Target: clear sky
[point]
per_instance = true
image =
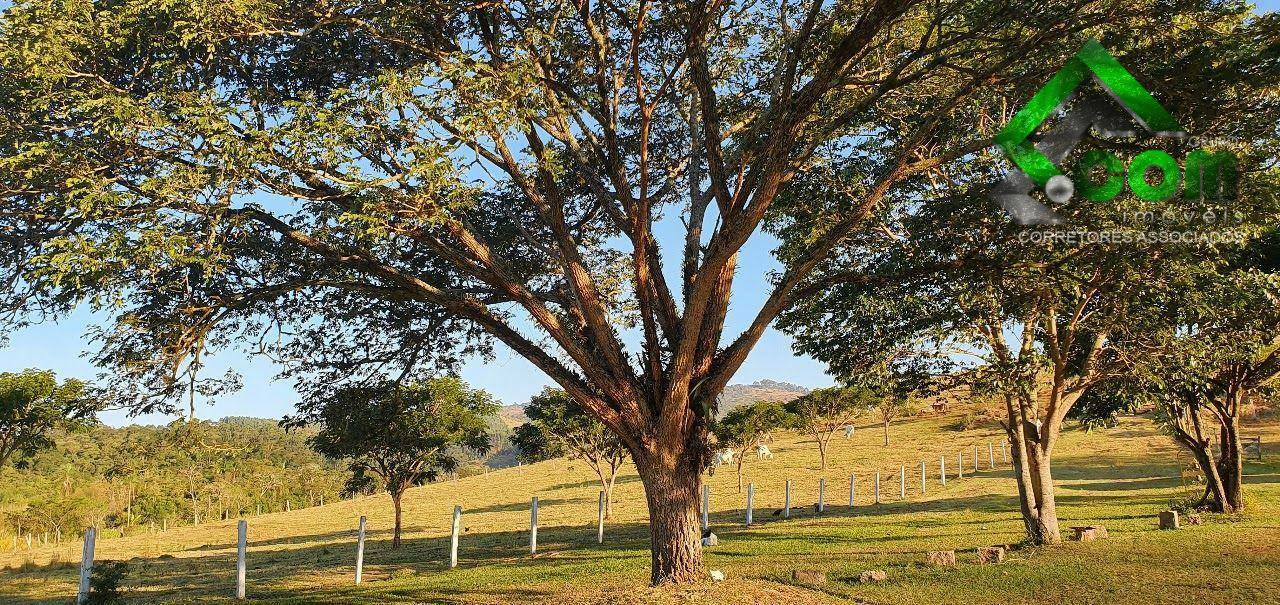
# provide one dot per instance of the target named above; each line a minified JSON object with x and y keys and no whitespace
{"x":60,"y":347}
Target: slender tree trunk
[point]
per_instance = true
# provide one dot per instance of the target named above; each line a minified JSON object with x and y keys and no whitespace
{"x":395,"y":502}
{"x":822,"y":452}
{"x":886,"y":432}
{"x":741,"y":456}
{"x":1021,"y":470}
{"x":672,"y":486}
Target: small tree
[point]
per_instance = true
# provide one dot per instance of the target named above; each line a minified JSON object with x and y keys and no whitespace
{"x":747,"y":426}
{"x":1220,"y":346}
{"x":824,"y":411}
{"x":403,"y":435}
{"x":890,"y":408}
{"x":33,"y":405}
{"x":559,"y":426}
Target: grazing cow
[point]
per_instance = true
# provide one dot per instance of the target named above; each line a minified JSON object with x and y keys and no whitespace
{"x":763,"y":453}
{"x":724,"y":456}
{"x":848,"y":431}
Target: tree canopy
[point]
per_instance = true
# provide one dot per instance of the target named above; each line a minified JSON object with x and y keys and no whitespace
{"x":357,"y":188}
{"x":558,"y":426}
{"x":33,"y":404}
{"x":400,"y":435}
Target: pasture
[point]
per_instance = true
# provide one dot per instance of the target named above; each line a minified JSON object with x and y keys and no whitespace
{"x":1120,"y":477}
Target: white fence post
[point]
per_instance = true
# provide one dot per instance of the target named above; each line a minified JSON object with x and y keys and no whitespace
{"x":942,"y":469}
{"x":853,"y":489}
{"x":453,"y":540}
{"x":600,"y":521}
{"x":975,"y":460}
{"x":533,"y":526}
{"x":924,"y":478}
{"x":786,"y":502}
{"x":242,"y":539}
{"x":960,"y":464}
{"x":991,"y":456}
{"x":86,"y":563}
{"x":751,"y":493}
{"x":902,"y":483}
{"x":360,"y":551}
{"x":877,"y":487}
{"x":822,"y":495}
{"x":706,"y":507}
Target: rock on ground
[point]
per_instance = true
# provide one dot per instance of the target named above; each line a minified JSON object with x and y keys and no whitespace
{"x":809,"y":576}
{"x":991,"y":554}
{"x":941,"y":558}
{"x":872,"y":575}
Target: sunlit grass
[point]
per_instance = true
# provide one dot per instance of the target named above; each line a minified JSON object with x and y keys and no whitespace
{"x":1120,"y":477}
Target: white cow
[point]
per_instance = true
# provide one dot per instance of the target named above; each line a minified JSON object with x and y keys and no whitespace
{"x":763,"y":453}
{"x":724,"y":456}
{"x":848,"y":431}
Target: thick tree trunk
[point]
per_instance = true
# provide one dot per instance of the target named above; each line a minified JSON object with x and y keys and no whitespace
{"x":1034,"y":474}
{"x":1044,"y":530}
{"x":395,"y":536}
{"x":672,"y":486}
{"x":1231,"y":466}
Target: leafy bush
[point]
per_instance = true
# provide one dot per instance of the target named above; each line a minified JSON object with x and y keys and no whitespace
{"x":104,"y":582}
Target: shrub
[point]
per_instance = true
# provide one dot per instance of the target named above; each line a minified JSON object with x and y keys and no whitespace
{"x":104,"y":582}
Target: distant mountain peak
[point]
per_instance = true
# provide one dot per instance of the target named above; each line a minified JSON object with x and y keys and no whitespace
{"x":736,"y":395}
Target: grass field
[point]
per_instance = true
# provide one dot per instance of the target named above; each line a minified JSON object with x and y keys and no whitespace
{"x":1119,"y":477}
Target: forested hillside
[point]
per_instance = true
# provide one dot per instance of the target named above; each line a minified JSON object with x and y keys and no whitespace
{"x":124,"y":480}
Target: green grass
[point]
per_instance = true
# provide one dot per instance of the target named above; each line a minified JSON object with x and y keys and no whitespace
{"x":1120,"y":478}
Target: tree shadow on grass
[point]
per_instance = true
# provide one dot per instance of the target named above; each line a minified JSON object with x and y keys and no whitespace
{"x":307,"y":573}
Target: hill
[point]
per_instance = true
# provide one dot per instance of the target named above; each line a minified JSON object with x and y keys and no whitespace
{"x":512,"y":415}
{"x":1119,"y":477}
{"x":761,"y":390}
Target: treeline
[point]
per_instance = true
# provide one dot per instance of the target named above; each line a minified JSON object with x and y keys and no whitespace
{"x":139,"y":478}
{"x":182,"y":473}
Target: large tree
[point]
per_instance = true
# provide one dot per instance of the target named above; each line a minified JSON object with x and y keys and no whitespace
{"x":558,"y":426}
{"x":399,"y":435}
{"x":358,"y":187}
{"x":33,"y":404}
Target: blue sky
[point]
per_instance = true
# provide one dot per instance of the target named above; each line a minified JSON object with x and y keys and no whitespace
{"x":60,"y":347}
